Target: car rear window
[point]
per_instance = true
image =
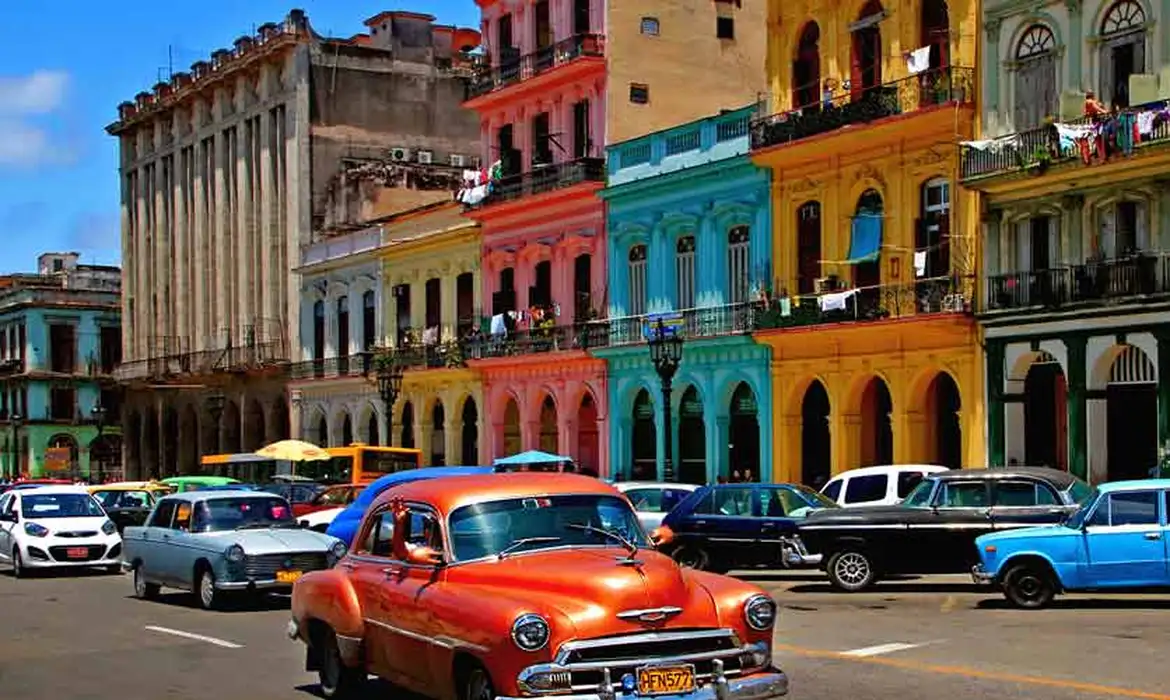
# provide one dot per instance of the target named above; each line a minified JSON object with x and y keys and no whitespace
{"x":866,"y":489}
{"x":907,"y":481}
{"x":832,"y":489}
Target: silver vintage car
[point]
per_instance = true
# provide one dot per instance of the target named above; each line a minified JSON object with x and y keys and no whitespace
{"x":214,"y":543}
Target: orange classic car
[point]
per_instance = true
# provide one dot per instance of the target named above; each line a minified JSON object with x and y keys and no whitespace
{"x":525,"y":586}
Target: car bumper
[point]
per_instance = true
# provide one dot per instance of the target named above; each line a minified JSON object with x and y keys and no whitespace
{"x":31,"y":563}
{"x":796,"y":554}
{"x":764,"y":685}
{"x":49,"y":553}
{"x":257,"y":585}
{"x":981,"y":577}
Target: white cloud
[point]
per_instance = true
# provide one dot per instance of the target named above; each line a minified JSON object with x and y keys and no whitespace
{"x":40,"y":92}
{"x":26,"y":103}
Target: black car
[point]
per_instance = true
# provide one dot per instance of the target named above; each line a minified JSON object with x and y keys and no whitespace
{"x":933,"y":530}
{"x":128,"y":506}
{"x":740,"y":526}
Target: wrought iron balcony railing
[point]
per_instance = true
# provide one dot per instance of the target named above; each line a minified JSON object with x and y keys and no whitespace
{"x":546,"y":178}
{"x":1132,"y":277}
{"x":927,"y":89}
{"x":11,"y":367}
{"x":1037,"y":149}
{"x":361,"y":364}
{"x":926,"y":297}
{"x":233,"y":359}
{"x":521,"y":68}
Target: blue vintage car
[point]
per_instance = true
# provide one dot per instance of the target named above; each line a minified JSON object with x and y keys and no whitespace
{"x":1117,"y":540}
{"x":214,"y":543}
{"x":345,"y":525}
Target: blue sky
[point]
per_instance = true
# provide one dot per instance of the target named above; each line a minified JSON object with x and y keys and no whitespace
{"x":58,"y":167}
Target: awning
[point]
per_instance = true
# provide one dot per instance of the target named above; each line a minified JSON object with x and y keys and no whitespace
{"x":866,"y":244}
{"x":531,"y":457}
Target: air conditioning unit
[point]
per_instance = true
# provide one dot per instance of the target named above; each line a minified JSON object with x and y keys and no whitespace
{"x":425,"y":157}
{"x":458,"y":160}
{"x":824,"y":285}
{"x":400,"y":154}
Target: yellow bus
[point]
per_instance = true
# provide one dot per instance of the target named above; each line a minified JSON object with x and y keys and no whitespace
{"x":356,"y":464}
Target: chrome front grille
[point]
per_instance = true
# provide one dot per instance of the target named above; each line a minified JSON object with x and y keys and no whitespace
{"x":590,"y":661}
{"x":265,"y":566}
{"x":77,"y":534}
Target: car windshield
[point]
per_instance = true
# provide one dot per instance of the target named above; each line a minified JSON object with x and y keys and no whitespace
{"x":222,"y":514}
{"x":60,"y":505}
{"x":920,"y":496}
{"x":815,"y":499}
{"x":526,"y":524}
{"x":1080,"y":492}
{"x":1077,"y":519}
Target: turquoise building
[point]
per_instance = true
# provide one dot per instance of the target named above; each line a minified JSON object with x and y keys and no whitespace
{"x":60,"y":341}
{"x":689,"y":232}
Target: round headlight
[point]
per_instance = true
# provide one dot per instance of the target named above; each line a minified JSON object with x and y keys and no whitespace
{"x":338,"y":550}
{"x":760,"y":612}
{"x":530,"y":632}
{"x":109,"y":527}
{"x":235,"y":554}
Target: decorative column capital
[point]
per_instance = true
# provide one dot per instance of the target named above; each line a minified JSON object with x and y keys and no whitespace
{"x":992,"y":26}
{"x":1074,"y":6}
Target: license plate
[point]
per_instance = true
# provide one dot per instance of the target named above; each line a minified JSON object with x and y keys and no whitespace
{"x":288,"y":576}
{"x":666,"y":680}
{"x":77,"y":552}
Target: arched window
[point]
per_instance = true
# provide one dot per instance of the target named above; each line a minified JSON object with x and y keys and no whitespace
{"x":369,"y":321}
{"x":866,"y":59}
{"x":343,"y":327}
{"x":934,"y":229}
{"x":637,"y":270}
{"x":684,"y":270}
{"x":1036,"y":84}
{"x":806,"y":68}
{"x":1123,"y":50}
{"x":738,"y":264}
{"x":936,"y":32}
{"x":808,"y":247}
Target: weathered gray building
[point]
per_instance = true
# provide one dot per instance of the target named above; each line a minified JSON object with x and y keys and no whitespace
{"x":229,"y":170}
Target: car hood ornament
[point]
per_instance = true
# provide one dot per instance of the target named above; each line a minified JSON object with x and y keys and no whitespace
{"x":650,"y":614}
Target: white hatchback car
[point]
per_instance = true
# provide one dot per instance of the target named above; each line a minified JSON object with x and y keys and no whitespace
{"x":652,"y":500}
{"x":56,"y":526}
{"x":885,"y":485}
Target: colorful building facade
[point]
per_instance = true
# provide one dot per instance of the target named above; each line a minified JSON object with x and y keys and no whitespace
{"x":689,"y":232}
{"x":1076,"y":275}
{"x":548,"y":109}
{"x":60,"y":340}
{"x":875,"y":246}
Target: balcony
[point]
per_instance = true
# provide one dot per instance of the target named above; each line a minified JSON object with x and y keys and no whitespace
{"x":242,"y":359}
{"x":1123,"y":279}
{"x":543,"y":179}
{"x":929,"y":89}
{"x":1036,"y":150}
{"x":922,"y":298}
{"x":11,"y":367}
{"x":358,"y":365}
{"x":522,"y":68}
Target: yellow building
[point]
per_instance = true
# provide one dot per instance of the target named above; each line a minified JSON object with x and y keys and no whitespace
{"x":875,"y":245}
{"x":432,"y":290}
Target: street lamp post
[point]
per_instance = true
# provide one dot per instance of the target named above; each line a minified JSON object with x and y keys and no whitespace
{"x":666,"y":354}
{"x":388,"y":374}
{"x":99,"y":417}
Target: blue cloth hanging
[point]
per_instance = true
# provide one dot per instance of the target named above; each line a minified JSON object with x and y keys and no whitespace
{"x":866,"y":241}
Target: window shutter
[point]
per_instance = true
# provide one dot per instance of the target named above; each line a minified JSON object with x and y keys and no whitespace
{"x":1105,"y":93}
{"x":920,"y":238}
{"x":1107,"y":231}
{"x":1139,"y":54}
{"x":1023,"y":245}
{"x":1143,"y":226}
{"x":943,"y":253}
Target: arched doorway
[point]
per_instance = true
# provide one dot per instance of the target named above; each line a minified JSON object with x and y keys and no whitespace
{"x":320,"y":428}
{"x":170,"y":445}
{"x":806,"y":69}
{"x":866,"y":58}
{"x":744,"y":444}
{"x":372,"y":429}
{"x":279,"y":427}
{"x":1046,"y":414}
{"x":188,"y":461}
{"x":346,"y":430}
{"x":253,"y":426}
{"x":132,"y":429}
{"x":943,"y":405}
{"x":816,"y":447}
{"x":438,"y":435}
{"x":407,"y":431}
{"x":63,"y":456}
{"x":877,"y":430}
{"x":469,"y":441}
{"x":867,"y":272}
{"x":644,"y":441}
{"x":588,"y":440}
{"x":548,"y":425}
{"x":1131,"y":415}
{"x":692,"y":439}
{"x":512,"y":440}
{"x":808,"y":247}
{"x":231,"y":428}
{"x":208,"y":433}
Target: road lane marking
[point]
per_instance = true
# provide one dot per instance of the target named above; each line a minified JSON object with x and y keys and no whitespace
{"x":973,"y":673}
{"x":949,"y":604}
{"x":197,"y":637}
{"x":879,"y":649}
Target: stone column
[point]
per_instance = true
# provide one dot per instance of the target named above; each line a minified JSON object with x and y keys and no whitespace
{"x":529,"y":435}
{"x":991,"y":66}
{"x":448,"y":308}
{"x":722,"y":437}
{"x":995,"y":406}
{"x":1077,"y":442}
{"x":1075,"y":79}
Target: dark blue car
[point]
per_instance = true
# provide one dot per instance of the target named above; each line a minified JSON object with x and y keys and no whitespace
{"x":344,"y":527}
{"x":742,"y":526}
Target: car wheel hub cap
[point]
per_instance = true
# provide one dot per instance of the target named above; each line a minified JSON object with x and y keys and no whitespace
{"x":852,"y":568}
{"x":1029,"y":586}
{"x":207,"y":590}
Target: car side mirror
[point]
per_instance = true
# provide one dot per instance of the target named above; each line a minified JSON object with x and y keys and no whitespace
{"x":662,"y":536}
{"x":424,"y":556}
{"x":7,"y":517}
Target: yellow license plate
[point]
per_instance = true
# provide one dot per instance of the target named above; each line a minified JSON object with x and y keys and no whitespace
{"x":666,"y":680}
{"x":288,"y":576}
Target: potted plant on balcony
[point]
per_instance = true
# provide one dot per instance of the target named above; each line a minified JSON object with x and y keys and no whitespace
{"x":1039,"y":161}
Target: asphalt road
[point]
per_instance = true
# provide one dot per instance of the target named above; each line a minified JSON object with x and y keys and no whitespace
{"x":86,"y":638}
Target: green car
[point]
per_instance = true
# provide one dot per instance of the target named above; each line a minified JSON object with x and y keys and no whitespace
{"x":183,"y":484}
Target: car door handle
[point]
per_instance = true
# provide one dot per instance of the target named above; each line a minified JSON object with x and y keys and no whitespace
{"x":391,"y":571}
{"x":347,"y":565}
{"x":1153,"y":535}
{"x":700,"y":523}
